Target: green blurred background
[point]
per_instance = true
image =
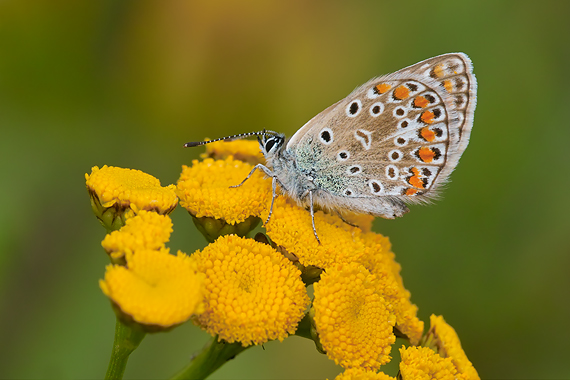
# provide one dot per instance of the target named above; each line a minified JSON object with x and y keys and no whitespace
{"x":126,"y":83}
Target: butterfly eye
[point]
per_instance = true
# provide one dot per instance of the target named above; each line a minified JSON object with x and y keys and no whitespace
{"x":269,"y":144}
{"x":272,"y":143}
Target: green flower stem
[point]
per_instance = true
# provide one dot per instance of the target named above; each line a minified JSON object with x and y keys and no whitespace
{"x":304,"y":328}
{"x":429,"y":341}
{"x":127,"y":339}
{"x":212,"y":357}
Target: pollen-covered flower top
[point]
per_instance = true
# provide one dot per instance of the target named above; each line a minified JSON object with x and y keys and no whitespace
{"x":147,"y":230}
{"x":118,"y":193}
{"x":353,"y":317}
{"x":253,"y":294}
{"x":131,"y":188}
{"x":290,"y":227}
{"x":381,"y":261}
{"x":155,"y":288}
{"x":362,"y":374}
{"x":242,"y":150}
{"x":444,"y":338}
{"x":205,"y":190}
{"x":422,"y":363}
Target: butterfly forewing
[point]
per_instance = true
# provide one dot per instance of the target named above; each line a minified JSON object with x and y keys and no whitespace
{"x":396,"y":137}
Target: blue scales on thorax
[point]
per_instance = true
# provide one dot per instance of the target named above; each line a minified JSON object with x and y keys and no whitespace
{"x":316,"y":169}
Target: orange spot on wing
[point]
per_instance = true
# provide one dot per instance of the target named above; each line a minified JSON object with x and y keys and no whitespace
{"x":427,"y":117}
{"x":411,"y":192}
{"x":448,"y":85}
{"x":426,"y":154}
{"x":421,"y":102}
{"x":402,"y":92}
{"x":438,"y":71}
{"x":428,"y":134}
{"x":416,"y":182}
{"x":383,"y":88}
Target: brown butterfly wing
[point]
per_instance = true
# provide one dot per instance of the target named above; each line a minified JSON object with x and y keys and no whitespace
{"x":394,"y":139}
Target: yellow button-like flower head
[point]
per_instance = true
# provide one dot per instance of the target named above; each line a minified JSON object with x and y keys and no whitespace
{"x":362,"y":374}
{"x":242,"y":150}
{"x":354,"y":320}
{"x":443,"y":338}
{"x":363,"y":221}
{"x":118,"y":193}
{"x":422,"y":363}
{"x":205,"y":191}
{"x":253,"y":294}
{"x":380,"y":261}
{"x":147,"y":230}
{"x":155,"y":289}
{"x":290,"y":227}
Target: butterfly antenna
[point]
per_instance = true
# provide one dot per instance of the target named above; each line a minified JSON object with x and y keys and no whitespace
{"x":234,"y":137}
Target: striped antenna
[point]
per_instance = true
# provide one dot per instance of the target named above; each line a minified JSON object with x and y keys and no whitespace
{"x":234,"y":137}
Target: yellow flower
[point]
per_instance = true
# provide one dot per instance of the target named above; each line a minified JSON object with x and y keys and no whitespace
{"x":147,"y":230}
{"x":242,"y":150}
{"x":422,"y":363}
{"x":118,"y":193}
{"x":444,"y":339}
{"x":155,"y":289}
{"x":362,"y":221}
{"x":290,"y":227}
{"x":253,"y":294}
{"x":381,"y":261}
{"x":353,"y":318}
{"x":361,"y":374}
{"x":204,"y":190}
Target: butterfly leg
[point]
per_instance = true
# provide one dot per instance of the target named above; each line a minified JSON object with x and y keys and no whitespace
{"x":313,"y":215}
{"x":265,"y":169}
{"x":274,"y":195}
{"x":344,"y":220}
{"x":270,"y":173}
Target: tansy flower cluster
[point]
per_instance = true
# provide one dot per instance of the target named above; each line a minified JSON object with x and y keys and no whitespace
{"x":247,"y":291}
{"x":253,"y":293}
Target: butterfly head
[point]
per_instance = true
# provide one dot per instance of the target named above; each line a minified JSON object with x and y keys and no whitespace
{"x":271,"y":143}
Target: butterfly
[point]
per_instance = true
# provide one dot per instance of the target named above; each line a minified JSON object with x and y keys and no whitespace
{"x":393,"y":141}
